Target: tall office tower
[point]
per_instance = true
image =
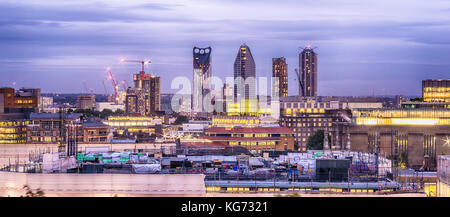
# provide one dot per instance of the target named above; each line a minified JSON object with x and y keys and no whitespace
{"x":152,"y":84}
{"x":244,"y":67}
{"x":279,"y":70}
{"x":201,"y":76}
{"x":308,"y":70}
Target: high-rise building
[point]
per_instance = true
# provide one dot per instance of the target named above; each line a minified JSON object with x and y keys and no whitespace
{"x":137,"y":101}
{"x":244,"y":67}
{"x":147,"y":92}
{"x":308,"y":71}
{"x":201,"y":76}
{"x":280,"y":71}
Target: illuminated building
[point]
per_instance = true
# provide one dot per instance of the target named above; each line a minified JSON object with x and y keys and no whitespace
{"x":255,"y":139}
{"x":146,"y":128}
{"x":20,"y":101}
{"x":306,"y":117}
{"x":86,"y":102}
{"x":51,"y":128}
{"x":429,"y":105}
{"x":201,"y":77}
{"x":412,"y":117}
{"x":418,"y":135}
{"x":436,"y":90}
{"x":152,"y":88}
{"x":244,"y":67}
{"x":231,"y":121}
{"x":308,"y":72}
{"x":137,"y":102}
{"x":280,"y":71}
{"x":13,"y":131}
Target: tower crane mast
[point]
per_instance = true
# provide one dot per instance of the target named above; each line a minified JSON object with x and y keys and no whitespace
{"x":115,"y":85}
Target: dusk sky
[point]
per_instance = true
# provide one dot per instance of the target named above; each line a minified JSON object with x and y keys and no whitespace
{"x":385,"y":46}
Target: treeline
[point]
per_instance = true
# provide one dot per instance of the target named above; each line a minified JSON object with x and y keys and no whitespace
{"x":103,"y":114}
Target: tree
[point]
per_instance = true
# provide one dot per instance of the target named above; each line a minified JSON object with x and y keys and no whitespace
{"x":181,"y":119}
{"x":315,"y":142}
{"x":30,"y":193}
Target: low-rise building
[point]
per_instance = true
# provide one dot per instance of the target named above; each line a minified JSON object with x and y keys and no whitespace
{"x":95,"y":132}
{"x":255,"y":139}
{"x":54,"y":127}
{"x":13,"y":131}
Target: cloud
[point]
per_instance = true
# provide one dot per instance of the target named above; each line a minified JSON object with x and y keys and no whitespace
{"x":355,"y":40}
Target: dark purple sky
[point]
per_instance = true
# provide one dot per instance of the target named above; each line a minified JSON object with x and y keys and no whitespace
{"x":383,"y":46}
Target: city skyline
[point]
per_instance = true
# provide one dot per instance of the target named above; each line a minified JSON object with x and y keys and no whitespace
{"x":56,"y":46}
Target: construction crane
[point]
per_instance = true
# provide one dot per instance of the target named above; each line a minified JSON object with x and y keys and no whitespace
{"x":114,"y":84}
{"x":300,"y":80}
{"x":87,"y":89}
{"x":143,"y":62}
{"x":104,"y":86}
{"x":124,"y":85}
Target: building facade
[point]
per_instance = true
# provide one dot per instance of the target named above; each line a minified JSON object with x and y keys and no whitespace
{"x":307,"y":117}
{"x":86,"y":102}
{"x":151,"y":86}
{"x":20,"y":101}
{"x":245,"y":68}
{"x":436,"y":91}
{"x":54,"y":127}
{"x":280,"y":71}
{"x":308,"y":72}
{"x":414,"y":137}
{"x":95,"y":132}
{"x":13,"y":131}
{"x":201,"y":76}
{"x":255,"y":139}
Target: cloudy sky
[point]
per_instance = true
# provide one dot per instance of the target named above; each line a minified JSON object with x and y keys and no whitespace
{"x":384,"y":46}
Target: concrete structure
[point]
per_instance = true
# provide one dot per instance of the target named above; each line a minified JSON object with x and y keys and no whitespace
{"x":280,"y":71}
{"x":86,"y":102}
{"x":108,"y":185}
{"x":436,"y":90}
{"x":443,"y":175}
{"x":414,"y":137}
{"x":308,"y":70}
{"x":201,"y":77}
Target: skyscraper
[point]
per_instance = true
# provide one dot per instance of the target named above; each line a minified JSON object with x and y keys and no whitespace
{"x":201,"y":76}
{"x":244,"y":67}
{"x":308,"y":70}
{"x":279,"y":70}
{"x":145,"y":97}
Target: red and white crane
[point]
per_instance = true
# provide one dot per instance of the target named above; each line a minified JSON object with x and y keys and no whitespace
{"x":114,"y":84}
{"x":143,"y":62}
